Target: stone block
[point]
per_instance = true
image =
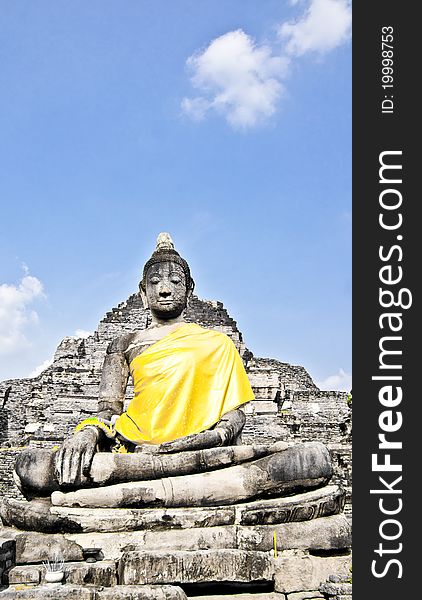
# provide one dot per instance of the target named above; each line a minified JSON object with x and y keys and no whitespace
{"x":255,"y":596}
{"x":301,"y":573}
{"x":23,"y":574}
{"x":322,"y":502}
{"x":311,"y":595}
{"x":264,"y":407}
{"x":203,"y":566}
{"x":336,"y":589}
{"x":142,"y":592}
{"x":192,"y":539}
{"x":112,"y":545}
{"x":49,"y":592}
{"x":102,"y":573}
{"x":34,"y":547}
{"x":326,"y":533}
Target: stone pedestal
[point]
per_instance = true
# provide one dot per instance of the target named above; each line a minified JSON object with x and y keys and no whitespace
{"x":169,"y":547}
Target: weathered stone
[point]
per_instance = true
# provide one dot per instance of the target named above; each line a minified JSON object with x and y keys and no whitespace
{"x":101,"y":573}
{"x":325,"y":501}
{"x":25,"y":574}
{"x":48,"y":592}
{"x":243,"y":596}
{"x":327,"y":533}
{"x":132,"y":519}
{"x":112,"y":468}
{"x":70,"y":592}
{"x":114,"y":544}
{"x":142,"y":592}
{"x":336,"y":589}
{"x":195,"y":567}
{"x":311,"y":595}
{"x":206,"y":538}
{"x":38,"y":468}
{"x":298,"y":467}
{"x":301,"y":573}
{"x":33,"y":516}
{"x":37,"y":547}
{"x":307,"y":505}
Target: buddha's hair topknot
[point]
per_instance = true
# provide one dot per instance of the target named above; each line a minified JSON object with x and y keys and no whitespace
{"x":165,"y":252}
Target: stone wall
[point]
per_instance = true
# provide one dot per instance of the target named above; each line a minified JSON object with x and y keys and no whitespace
{"x":43,"y":410}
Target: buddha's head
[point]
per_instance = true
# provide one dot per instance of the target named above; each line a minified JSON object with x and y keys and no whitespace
{"x":166,"y":281}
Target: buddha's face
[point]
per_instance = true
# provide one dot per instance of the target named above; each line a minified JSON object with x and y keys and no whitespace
{"x":166,"y":291}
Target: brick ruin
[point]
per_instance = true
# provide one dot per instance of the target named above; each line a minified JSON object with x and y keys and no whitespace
{"x":43,"y":410}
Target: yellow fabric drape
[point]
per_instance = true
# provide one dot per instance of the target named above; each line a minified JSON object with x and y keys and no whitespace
{"x":183,"y":384}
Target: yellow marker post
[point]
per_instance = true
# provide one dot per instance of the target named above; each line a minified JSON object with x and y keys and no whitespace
{"x":275,"y":544}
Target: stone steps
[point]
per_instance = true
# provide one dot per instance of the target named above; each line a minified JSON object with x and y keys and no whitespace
{"x":202,"y":566}
{"x":325,"y":533}
{"x":70,"y":592}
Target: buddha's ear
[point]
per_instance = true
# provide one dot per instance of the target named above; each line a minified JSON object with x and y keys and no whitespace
{"x":143,"y":296}
{"x":190,"y":290}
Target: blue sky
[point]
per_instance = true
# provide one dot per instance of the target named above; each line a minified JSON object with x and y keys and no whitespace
{"x":227,"y":124}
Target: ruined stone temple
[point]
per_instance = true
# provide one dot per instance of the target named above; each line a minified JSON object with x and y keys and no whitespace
{"x":288,"y":406}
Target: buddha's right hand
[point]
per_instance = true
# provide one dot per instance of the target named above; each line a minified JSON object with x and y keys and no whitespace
{"x":73,"y":460}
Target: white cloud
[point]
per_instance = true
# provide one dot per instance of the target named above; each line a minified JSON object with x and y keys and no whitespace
{"x":15,"y":312}
{"x":237,"y":79}
{"x":243,"y":81}
{"x":340,"y":381}
{"x":42,"y":367}
{"x":325,"y":25}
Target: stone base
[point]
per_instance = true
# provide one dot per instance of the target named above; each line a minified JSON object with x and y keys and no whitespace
{"x":327,"y":534}
{"x":41,"y":516}
{"x":163,"y":548}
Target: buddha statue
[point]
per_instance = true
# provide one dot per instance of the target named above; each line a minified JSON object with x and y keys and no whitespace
{"x":189,"y":386}
{"x":178,"y":443}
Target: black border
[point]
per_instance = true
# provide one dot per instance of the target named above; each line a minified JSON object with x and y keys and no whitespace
{"x":374,"y":132}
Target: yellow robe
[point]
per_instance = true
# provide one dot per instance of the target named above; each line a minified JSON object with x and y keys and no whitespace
{"x":183,"y":384}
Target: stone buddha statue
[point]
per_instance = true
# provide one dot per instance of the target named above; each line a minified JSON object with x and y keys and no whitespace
{"x":182,"y":426}
{"x":189,"y":385}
